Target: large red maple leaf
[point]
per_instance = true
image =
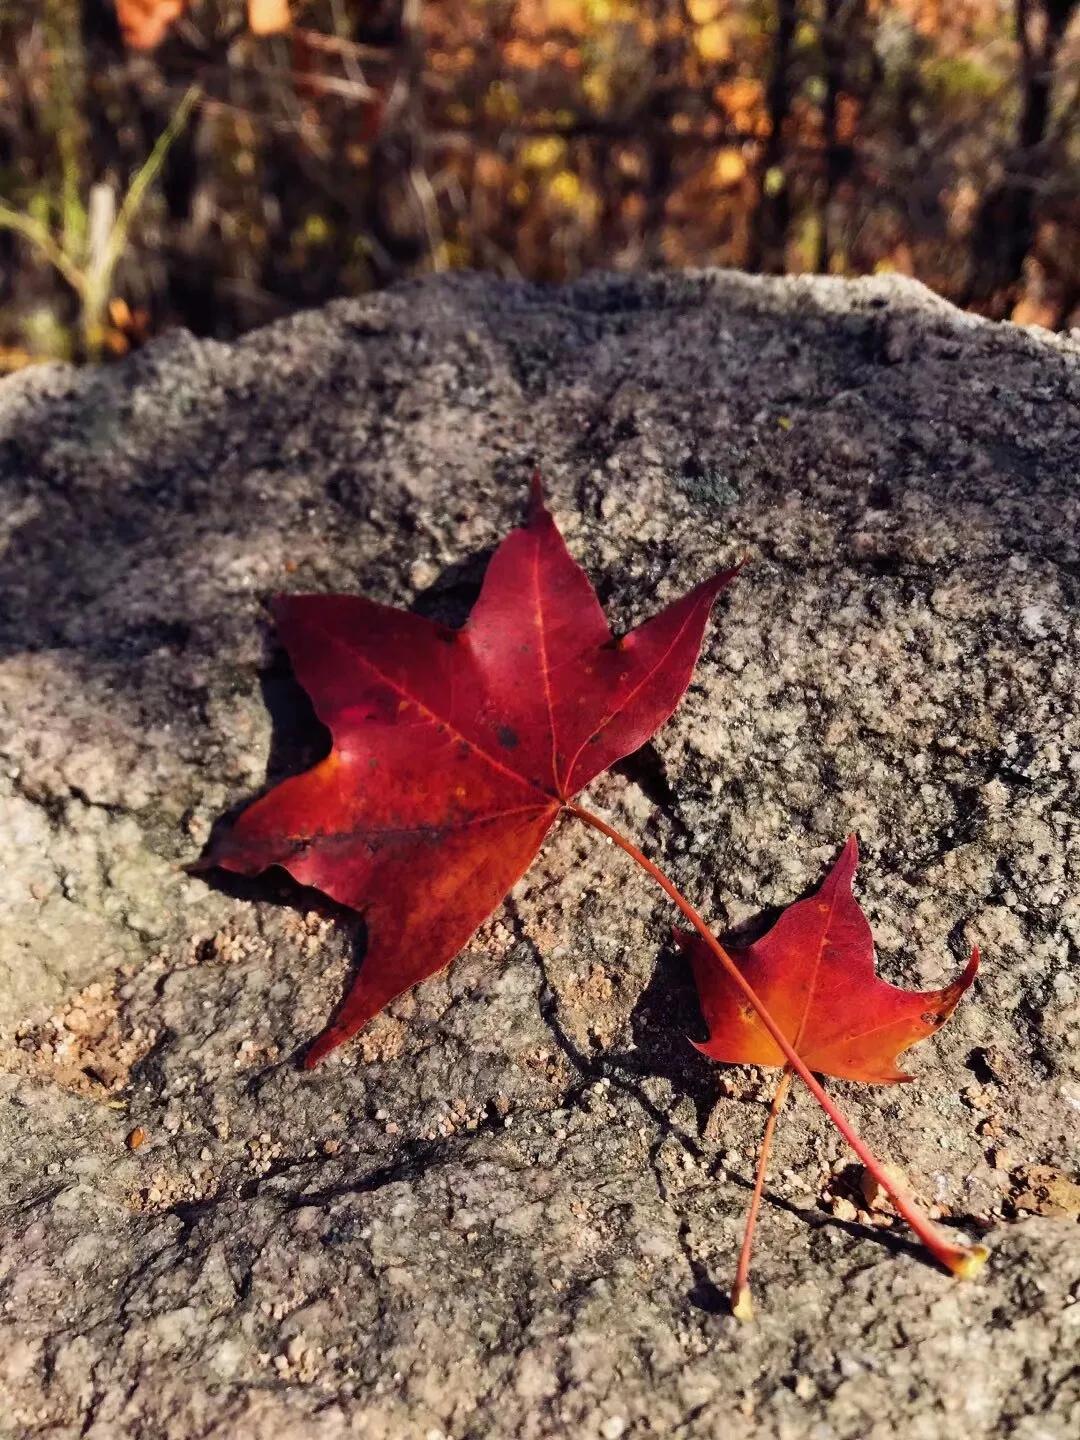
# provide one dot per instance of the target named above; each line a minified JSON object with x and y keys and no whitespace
{"x":455,"y":750}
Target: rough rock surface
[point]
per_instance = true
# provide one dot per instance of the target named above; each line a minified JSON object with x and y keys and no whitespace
{"x":512,"y":1206}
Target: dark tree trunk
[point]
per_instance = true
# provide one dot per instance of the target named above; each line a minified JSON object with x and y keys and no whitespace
{"x":833,"y":56}
{"x":1007,"y":219}
{"x":768,"y":234}
{"x":657,"y":129}
{"x":403,"y":222}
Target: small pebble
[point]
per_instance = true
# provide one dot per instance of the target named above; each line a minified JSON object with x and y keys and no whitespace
{"x":843,"y":1209}
{"x":874,"y":1193}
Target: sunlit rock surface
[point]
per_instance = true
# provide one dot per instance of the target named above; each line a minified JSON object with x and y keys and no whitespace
{"x":512,"y":1206}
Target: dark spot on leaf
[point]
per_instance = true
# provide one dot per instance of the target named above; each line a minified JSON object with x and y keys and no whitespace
{"x":508,"y":737}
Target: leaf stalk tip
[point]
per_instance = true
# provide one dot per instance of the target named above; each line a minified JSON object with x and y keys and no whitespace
{"x":966,"y":1263}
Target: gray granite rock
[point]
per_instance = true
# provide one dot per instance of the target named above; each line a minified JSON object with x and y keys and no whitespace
{"x":511,"y":1207}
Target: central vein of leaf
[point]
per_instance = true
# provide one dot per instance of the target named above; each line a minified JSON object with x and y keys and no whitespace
{"x":815,"y":972}
{"x":545,"y":672}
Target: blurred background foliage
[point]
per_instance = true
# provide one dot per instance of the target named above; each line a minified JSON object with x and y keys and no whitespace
{"x":332,"y":146}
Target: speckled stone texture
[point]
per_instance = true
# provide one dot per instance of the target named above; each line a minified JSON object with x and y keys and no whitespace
{"x":511,"y":1208}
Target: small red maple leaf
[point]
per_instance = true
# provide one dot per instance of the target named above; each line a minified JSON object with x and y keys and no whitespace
{"x":814,"y":975}
{"x":815,"y":972}
{"x":455,"y":750}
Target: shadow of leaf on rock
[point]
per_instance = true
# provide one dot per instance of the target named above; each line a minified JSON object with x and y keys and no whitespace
{"x":298,"y":740}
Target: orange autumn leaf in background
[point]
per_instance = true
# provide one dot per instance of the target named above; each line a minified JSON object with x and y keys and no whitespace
{"x":268,"y":17}
{"x":145,"y":23}
{"x":815,"y":971}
